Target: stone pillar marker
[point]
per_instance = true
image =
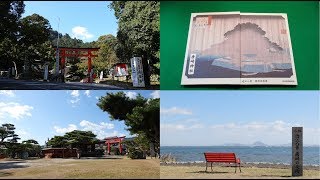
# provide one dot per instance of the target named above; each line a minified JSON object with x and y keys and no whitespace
{"x":297,"y":151}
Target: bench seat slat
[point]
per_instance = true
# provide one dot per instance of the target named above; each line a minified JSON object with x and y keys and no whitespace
{"x":220,"y":157}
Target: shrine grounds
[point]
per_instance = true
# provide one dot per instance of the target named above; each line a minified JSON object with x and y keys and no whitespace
{"x":254,"y":171}
{"x":58,"y":168}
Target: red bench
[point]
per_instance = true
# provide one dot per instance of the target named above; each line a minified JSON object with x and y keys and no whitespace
{"x":212,"y":157}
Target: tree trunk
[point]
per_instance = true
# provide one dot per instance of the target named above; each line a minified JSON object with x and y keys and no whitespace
{"x":146,"y":71}
{"x":15,"y":67}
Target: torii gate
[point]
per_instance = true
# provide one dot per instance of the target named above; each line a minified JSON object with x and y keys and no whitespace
{"x":113,"y":140}
{"x":65,"y":52}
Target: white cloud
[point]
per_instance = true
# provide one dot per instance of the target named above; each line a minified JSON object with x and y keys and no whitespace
{"x":271,"y":133}
{"x":80,"y":32}
{"x":74,"y":101}
{"x":14,"y":110}
{"x":155,"y":94}
{"x":97,"y":97}
{"x":8,"y":93}
{"x":87,"y":125}
{"x":102,"y":129}
{"x":71,"y":127}
{"x":175,"y":111}
{"x":131,"y":95}
{"x":75,"y":95}
{"x":87,"y":93}
{"x":269,"y":127}
{"x":180,"y":127}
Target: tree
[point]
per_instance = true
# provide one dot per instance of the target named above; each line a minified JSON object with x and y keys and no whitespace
{"x":106,"y":54}
{"x":7,"y":134}
{"x":81,"y":139}
{"x":57,"y":141}
{"x":10,"y":13}
{"x":74,"y":139}
{"x":140,"y":115}
{"x":34,"y":41}
{"x":31,"y":146}
{"x":139,"y":32}
{"x":9,"y":139}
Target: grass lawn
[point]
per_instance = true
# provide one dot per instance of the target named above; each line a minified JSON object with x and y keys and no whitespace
{"x":193,"y":172}
{"x":80,"y":168}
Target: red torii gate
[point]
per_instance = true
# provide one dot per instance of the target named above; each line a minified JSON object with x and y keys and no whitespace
{"x":65,"y":52}
{"x":113,"y":140}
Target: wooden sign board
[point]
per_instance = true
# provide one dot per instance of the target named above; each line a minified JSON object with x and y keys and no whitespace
{"x":297,"y":151}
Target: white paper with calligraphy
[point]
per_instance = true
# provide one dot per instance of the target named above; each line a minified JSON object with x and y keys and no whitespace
{"x":239,"y":48}
{"x":137,"y":72}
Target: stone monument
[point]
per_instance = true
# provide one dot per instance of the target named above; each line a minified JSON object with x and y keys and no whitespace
{"x":297,"y":151}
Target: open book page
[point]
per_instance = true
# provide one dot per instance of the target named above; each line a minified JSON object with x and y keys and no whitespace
{"x":238,"y":48}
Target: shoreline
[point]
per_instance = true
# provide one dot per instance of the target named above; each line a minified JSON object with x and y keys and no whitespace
{"x":247,"y":164}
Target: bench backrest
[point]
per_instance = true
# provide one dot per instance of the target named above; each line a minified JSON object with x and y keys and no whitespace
{"x":220,"y":157}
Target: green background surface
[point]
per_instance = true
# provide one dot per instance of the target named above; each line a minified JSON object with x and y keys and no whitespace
{"x":303,"y":20}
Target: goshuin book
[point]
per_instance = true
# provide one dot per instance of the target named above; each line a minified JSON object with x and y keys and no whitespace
{"x":240,"y":49}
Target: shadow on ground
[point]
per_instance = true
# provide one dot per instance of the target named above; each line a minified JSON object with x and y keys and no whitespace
{"x":274,"y":176}
{"x":210,"y":172}
{"x":12,"y":165}
{"x":127,"y":84}
{"x":100,"y":158}
{"x":4,"y":174}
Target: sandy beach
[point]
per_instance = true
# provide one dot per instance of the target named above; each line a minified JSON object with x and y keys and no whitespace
{"x":226,"y":171}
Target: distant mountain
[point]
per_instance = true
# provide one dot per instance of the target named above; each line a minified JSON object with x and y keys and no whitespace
{"x":234,"y":144}
{"x":259,"y":143}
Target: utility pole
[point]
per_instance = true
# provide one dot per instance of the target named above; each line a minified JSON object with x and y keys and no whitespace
{"x":57,"y":58}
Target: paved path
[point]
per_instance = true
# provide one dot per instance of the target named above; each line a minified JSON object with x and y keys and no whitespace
{"x":6,"y":84}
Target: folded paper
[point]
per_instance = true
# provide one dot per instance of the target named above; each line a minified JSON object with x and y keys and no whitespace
{"x":239,"y":48}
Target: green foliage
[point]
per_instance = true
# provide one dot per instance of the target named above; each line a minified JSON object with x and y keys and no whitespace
{"x":35,"y":30}
{"x":135,"y":153}
{"x":34,"y":42}
{"x":57,"y":141}
{"x":106,"y":55}
{"x":7,"y":134}
{"x":99,"y":152}
{"x":138,"y":32}
{"x":75,"y":139}
{"x":31,"y":146}
{"x":138,"y":147}
{"x":115,"y":150}
{"x":10,"y":13}
{"x":9,"y":139}
{"x":140,"y":115}
{"x":80,"y":138}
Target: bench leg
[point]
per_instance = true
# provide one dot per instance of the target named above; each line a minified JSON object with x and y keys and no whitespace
{"x":235,"y":170}
{"x":211,"y":167}
{"x":240,"y":166}
{"x":206,"y":166}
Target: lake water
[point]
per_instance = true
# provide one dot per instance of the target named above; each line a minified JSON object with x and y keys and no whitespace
{"x":270,"y":154}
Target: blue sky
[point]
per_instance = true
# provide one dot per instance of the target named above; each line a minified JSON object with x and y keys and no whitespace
{"x":42,"y":114}
{"x":220,"y":117}
{"x":86,"y":20}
